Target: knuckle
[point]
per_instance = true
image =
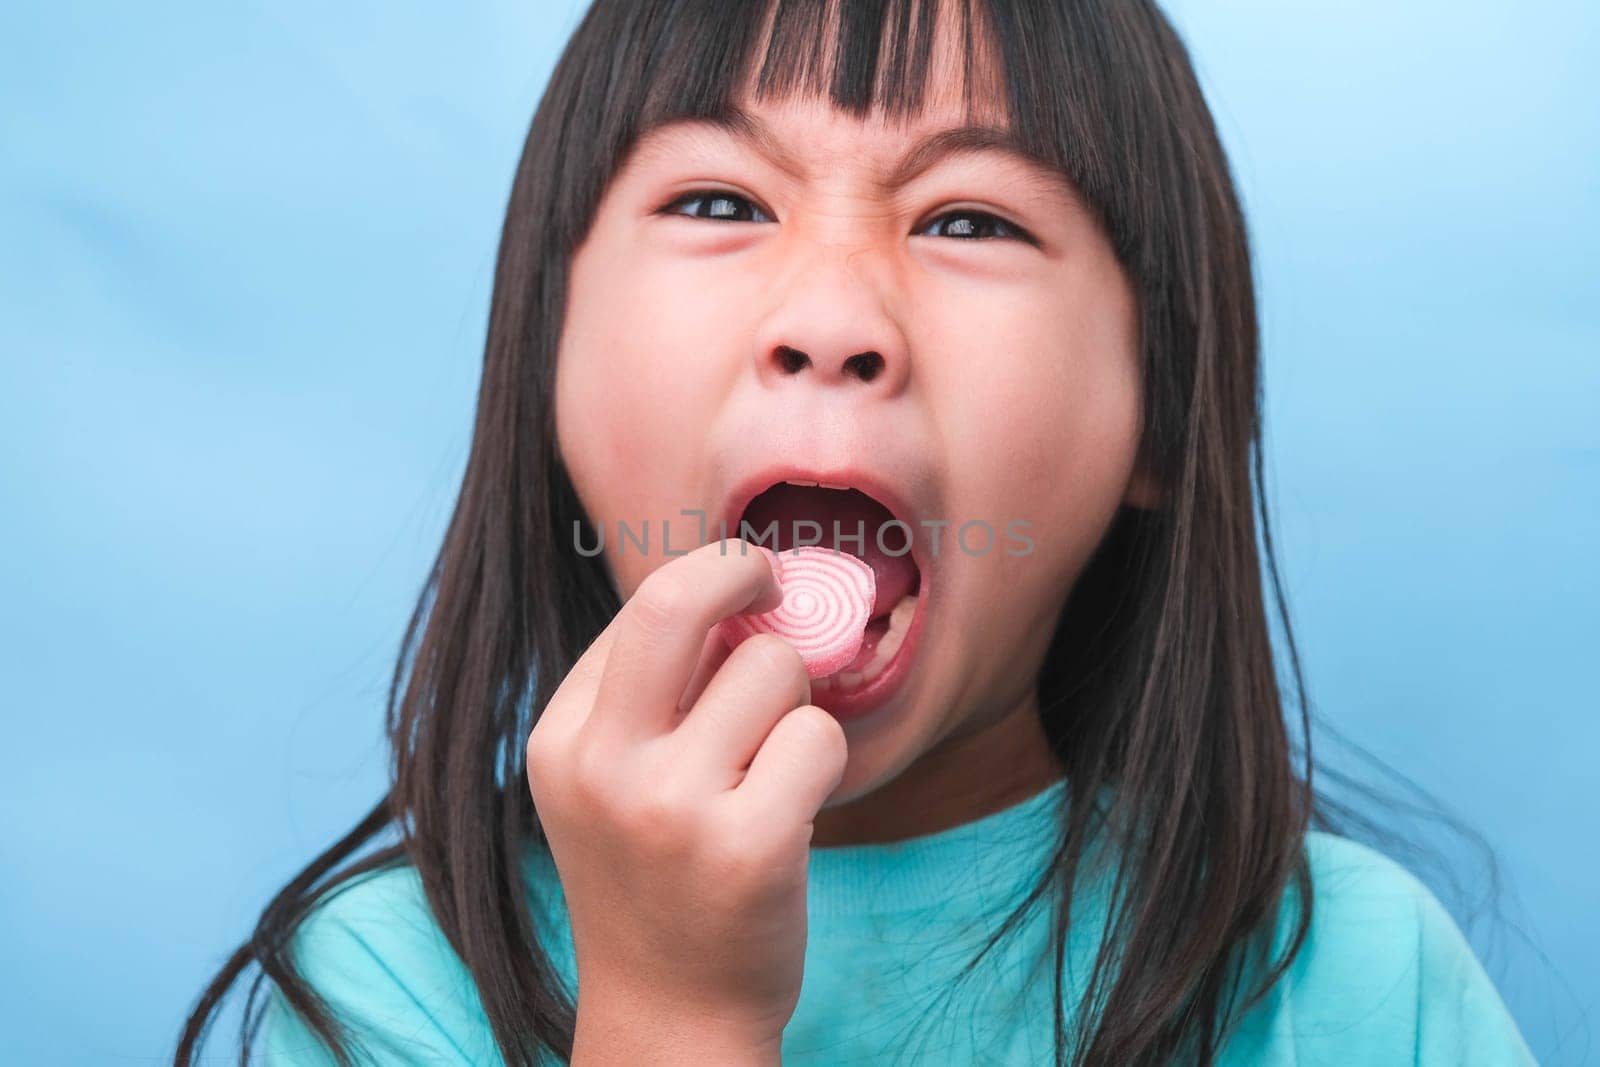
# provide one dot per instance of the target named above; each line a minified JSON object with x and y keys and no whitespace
{"x":543,"y":758}
{"x":741,"y":862}
{"x":818,"y":731}
{"x":663,"y":811}
{"x":533,"y":748}
{"x":590,"y":773}
{"x":541,"y":738}
{"x":775,"y":657}
{"x":661,"y":599}
{"x":534,"y":756}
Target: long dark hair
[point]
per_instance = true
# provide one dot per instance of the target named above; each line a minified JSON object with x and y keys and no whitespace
{"x":1161,"y":683}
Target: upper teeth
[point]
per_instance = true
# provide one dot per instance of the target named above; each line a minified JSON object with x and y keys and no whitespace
{"x":824,"y":485}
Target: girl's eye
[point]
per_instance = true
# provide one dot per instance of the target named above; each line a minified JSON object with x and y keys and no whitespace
{"x":711,"y":204}
{"x":730,"y":207}
{"x":977,"y":226}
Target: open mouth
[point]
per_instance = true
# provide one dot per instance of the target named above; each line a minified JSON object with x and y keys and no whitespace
{"x":788,"y":514}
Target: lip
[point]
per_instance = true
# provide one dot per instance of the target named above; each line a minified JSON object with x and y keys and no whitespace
{"x":855,"y":703}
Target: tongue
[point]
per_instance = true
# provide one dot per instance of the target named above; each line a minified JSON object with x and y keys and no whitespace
{"x":896,"y":575}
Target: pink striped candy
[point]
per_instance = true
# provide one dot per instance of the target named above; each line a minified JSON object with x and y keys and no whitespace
{"x":827,"y":600}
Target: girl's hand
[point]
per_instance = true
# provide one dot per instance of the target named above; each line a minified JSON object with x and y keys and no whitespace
{"x":677,"y":784}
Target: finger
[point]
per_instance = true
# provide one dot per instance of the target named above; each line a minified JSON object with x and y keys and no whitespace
{"x":762,"y":681}
{"x":663,"y":630}
{"x":797,"y":767}
{"x":712,"y":656}
{"x":570,"y":705}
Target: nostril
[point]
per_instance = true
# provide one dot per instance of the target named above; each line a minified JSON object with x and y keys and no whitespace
{"x":792,"y":359}
{"x":865,"y":365}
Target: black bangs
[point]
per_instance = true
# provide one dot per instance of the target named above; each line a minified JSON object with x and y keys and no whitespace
{"x":896,"y":36}
{"x":864,"y":55}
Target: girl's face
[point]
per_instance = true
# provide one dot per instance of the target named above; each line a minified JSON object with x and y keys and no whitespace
{"x":1006,"y":392}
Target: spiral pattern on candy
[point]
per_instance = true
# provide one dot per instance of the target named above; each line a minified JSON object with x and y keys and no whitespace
{"x":827,"y":600}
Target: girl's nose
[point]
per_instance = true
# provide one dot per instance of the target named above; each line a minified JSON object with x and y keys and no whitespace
{"x":862,"y":365}
{"x":834,"y":329}
{"x":879,"y":372}
{"x":860,"y":352}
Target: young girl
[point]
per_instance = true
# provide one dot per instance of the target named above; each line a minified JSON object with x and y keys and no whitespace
{"x":973,"y":273}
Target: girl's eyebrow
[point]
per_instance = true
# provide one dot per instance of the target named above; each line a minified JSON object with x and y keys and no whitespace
{"x":927,"y":151}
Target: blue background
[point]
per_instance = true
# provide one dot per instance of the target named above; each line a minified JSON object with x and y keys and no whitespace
{"x":245,"y":258}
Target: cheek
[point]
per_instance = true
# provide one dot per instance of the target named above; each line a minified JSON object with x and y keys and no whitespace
{"x":634,"y":376}
{"x":1047,"y":431}
{"x":618,"y":352}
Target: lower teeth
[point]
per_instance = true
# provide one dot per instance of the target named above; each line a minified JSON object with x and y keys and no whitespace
{"x":888,"y":645}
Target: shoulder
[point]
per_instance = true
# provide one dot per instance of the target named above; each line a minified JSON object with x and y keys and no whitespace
{"x":387,"y":904}
{"x":1384,"y":975}
{"x":1366,"y":907}
{"x":1372,"y":914}
{"x":372,"y":949}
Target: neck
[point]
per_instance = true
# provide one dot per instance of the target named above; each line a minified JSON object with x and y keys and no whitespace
{"x":962,"y":778}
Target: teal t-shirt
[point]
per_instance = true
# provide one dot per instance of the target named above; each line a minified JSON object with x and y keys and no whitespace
{"x":1385,"y":976}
